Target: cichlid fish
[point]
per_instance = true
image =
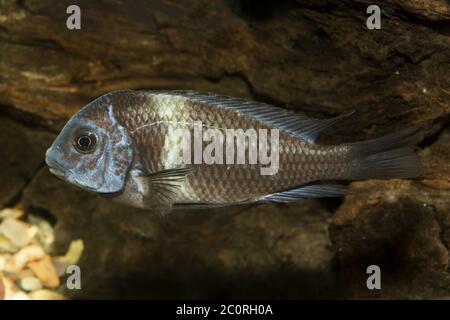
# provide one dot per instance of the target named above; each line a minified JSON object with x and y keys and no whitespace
{"x":126,"y":145}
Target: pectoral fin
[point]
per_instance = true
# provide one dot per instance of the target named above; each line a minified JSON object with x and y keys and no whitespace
{"x":164,"y":187}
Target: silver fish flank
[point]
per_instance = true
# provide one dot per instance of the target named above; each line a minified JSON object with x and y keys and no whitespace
{"x":122,"y":145}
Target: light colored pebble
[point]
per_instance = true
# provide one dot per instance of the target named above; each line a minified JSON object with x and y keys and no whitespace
{"x":25,"y":268}
{"x":46,"y":295}
{"x":6,"y":245}
{"x":2,"y":288}
{"x":75,"y":251}
{"x":30,"y":284}
{"x":60,"y":264}
{"x":45,"y":271}
{"x":72,"y":256}
{"x":16,"y":276}
{"x":19,"y":295}
{"x":9,"y":288}
{"x":20,"y":233}
{"x":10,"y":213}
{"x":46,"y":234}
{"x":4,"y":257}
{"x":25,"y":255}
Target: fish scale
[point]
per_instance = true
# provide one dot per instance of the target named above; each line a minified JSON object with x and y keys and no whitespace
{"x":222,"y":183}
{"x":130,"y":146}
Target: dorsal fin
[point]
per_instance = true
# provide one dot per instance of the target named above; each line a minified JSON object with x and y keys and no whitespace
{"x":301,"y":126}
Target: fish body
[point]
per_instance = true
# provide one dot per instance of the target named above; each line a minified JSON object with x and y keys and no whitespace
{"x":126,"y":145}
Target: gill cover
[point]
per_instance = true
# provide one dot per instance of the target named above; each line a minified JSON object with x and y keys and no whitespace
{"x":117,"y":156}
{"x":103,"y":169}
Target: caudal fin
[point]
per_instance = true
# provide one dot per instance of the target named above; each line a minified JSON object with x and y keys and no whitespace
{"x":388,"y":157}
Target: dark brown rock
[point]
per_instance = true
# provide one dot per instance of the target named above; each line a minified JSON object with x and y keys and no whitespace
{"x":401,"y":226}
{"x":289,"y":53}
{"x":21,"y":156}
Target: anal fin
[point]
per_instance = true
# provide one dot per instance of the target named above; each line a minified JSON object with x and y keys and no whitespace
{"x":309,"y":191}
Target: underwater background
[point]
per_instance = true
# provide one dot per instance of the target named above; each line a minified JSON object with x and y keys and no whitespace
{"x":317,"y":57}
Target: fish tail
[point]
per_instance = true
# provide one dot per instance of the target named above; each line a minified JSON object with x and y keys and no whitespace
{"x":388,"y":157}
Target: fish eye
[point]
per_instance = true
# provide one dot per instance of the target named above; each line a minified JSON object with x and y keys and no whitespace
{"x":85,"y":142}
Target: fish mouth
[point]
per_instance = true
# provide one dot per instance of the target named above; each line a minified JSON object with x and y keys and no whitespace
{"x":57,"y":172}
{"x":55,"y":167}
{"x":64,"y":174}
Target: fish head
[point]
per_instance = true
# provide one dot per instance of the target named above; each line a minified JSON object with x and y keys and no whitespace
{"x":93,"y":151}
